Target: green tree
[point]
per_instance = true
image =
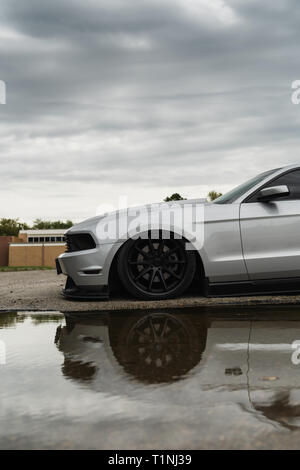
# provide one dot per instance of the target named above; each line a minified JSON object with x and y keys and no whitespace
{"x":39,"y":224}
{"x":212,"y":195}
{"x":174,"y":197}
{"x":11,"y":227}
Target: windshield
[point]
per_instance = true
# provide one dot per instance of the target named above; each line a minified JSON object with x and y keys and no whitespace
{"x":235,"y":193}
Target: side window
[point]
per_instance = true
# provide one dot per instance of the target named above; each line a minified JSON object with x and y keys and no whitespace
{"x":291,"y":180}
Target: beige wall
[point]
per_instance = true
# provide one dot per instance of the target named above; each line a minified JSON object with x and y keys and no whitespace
{"x":34,"y":255}
{"x":52,"y":252}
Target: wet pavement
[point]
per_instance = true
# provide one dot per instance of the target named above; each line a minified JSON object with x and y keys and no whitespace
{"x":207,"y":378}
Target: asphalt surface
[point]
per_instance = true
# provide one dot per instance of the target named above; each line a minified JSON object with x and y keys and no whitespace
{"x":41,"y":290}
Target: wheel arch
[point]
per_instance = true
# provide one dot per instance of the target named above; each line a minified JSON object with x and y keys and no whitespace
{"x":115,"y":284}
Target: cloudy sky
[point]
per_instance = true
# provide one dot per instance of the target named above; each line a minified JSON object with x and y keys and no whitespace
{"x":142,"y":98}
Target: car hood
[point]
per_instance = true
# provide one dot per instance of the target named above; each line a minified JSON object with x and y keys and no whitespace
{"x":91,"y":223}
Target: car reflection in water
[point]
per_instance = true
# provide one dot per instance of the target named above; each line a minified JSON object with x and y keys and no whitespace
{"x":217,"y":350}
{"x":153,"y":348}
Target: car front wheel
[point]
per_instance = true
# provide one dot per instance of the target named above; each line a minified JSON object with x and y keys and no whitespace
{"x":155,"y":269}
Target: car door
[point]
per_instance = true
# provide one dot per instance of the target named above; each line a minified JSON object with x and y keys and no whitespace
{"x":270,"y":231}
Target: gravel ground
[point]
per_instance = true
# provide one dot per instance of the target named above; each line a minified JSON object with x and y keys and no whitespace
{"x":41,"y":290}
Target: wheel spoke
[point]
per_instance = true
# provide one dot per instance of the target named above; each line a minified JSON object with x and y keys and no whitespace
{"x":147,"y":346}
{"x":174,"y":261}
{"x":139,"y":263}
{"x":152,"y":328}
{"x":144,"y":271}
{"x":151,"y":278}
{"x":172,"y":250}
{"x":164,"y":328}
{"x":142,"y":252}
{"x":143,"y":335}
{"x":163,"y":279}
{"x":172,"y":273}
{"x":151,"y":246}
{"x":161,"y":247}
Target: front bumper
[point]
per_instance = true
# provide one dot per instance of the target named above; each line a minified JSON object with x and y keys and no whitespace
{"x":87,"y":272}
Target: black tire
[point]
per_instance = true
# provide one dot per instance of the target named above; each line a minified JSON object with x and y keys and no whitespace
{"x":156,"y":269}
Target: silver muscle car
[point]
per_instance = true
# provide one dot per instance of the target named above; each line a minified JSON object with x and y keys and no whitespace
{"x":246,"y":241}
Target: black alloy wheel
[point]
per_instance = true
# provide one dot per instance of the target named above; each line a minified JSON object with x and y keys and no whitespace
{"x":156,"y":268}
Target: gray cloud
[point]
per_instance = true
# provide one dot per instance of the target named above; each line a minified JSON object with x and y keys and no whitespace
{"x":142,"y":97}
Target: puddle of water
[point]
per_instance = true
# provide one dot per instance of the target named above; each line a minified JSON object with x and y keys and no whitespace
{"x":198,"y":378}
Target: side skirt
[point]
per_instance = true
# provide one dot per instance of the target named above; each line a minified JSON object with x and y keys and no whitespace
{"x":254,"y":287}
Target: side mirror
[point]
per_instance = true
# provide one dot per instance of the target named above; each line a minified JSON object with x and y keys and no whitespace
{"x":267,"y":194}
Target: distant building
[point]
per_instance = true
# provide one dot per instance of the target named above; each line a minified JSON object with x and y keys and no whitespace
{"x":4,"y":248}
{"x":36,"y":248}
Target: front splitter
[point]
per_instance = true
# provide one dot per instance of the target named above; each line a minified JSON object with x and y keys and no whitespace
{"x":74,"y":292}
